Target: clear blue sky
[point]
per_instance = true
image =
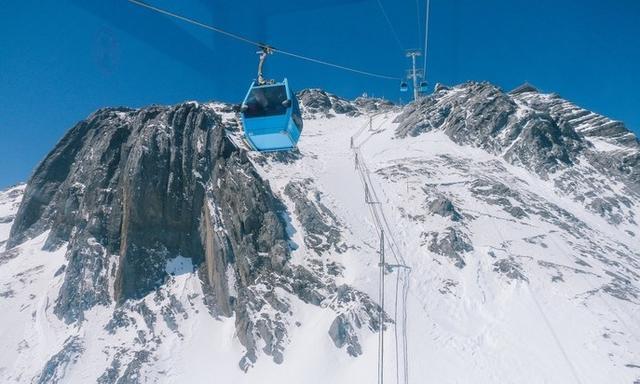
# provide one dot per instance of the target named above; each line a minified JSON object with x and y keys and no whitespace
{"x":61,"y":60}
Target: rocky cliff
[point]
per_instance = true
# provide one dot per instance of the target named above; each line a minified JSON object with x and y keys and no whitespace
{"x":540,"y":132}
{"x":126,"y":191}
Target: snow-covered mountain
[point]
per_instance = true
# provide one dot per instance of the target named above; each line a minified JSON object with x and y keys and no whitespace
{"x":150,"y":246}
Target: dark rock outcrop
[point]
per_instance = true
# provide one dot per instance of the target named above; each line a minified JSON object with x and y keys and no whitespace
{"x":321,"y":226}
{"x":125,"y":189}
{"x":54,"y":369}
{"x":510,"y":268}
{"x":541,"y":132}
{"x":452,"y":243}
{"x":524,"y":88}
{"x":444,"y":207}
{"x":342,"y":333}
{"x":482,"y":115}
{"x":316,"y":102}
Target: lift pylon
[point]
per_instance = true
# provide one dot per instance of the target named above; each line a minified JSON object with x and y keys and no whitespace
{"x":414,"y":74}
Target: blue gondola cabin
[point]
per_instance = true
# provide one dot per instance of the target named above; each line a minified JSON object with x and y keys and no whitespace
{"x":271,"y":117}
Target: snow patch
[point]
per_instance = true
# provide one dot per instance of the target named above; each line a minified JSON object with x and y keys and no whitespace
{"x":179,"y":265}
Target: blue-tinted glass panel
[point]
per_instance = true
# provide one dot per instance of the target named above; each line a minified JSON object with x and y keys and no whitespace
{"x":266,"y":101}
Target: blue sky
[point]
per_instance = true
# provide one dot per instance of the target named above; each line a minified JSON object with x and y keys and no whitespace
{"x":61,"y":60}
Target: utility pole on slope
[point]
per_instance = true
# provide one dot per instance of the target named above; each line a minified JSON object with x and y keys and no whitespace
{"x":414,"y":74}
{"x":381,"y":318}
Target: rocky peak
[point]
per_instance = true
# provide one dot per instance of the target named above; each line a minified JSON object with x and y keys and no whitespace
{"x":541,"y":132}
{"x":482,"y":115}
{"x":368,"y":104}
{"x":524,"y":88}
{"x":319,"y":103}
{"x":132,"y":184}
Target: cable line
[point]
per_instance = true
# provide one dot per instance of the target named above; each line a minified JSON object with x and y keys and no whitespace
{"x":336,"y":65}
{"x":382,"y":226}
{"x":258,"y":44}
{"x":418,"y":35}
{"x":426,"y":40}
{"x":393,"y":30}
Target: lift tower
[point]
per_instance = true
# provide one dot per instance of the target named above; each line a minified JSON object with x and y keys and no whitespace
{"x":414,"y":74}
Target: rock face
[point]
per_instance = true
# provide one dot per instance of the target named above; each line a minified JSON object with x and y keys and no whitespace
{"x":452,"y":243}
{"x":482,"y":115}
{"x":444,"y":207}
{"x":322,"y":228}
{"x":53,"y":371}
{"x":317,"y":103}
{"x":9,"y":204}
{"x":126,"y":189}
{"x":129,"y":190}
{"x":541,"y":132}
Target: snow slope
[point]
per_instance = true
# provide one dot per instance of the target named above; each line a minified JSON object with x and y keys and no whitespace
{"x":473,"y":325}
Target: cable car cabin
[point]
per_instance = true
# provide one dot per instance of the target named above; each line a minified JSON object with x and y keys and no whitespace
{"x":404,"y":87}
{"x":271,"y":117}
{"x":424,"y":87}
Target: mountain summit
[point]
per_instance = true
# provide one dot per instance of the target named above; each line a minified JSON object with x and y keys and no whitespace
{"x":151,"y":246}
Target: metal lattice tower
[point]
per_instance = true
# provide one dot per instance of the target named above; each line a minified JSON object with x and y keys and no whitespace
{"x":413,"y":73}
